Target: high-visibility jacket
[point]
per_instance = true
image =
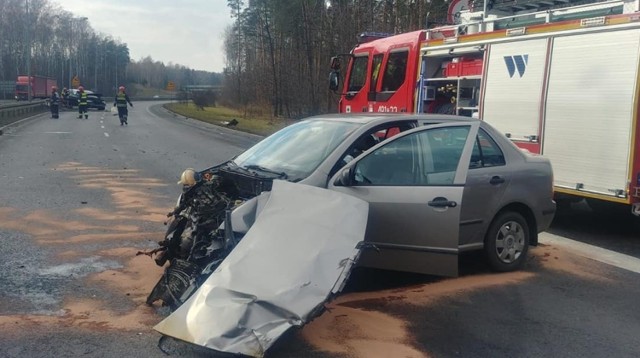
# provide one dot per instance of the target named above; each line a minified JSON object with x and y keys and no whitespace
{"x":122,"y":99}
{"x":83,"y":99}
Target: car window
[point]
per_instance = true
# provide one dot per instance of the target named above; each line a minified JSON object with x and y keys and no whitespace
{"x":486,"y":152}
{"x":390,"y":132}
{"x":369,"y":140}
{"x":427,"y":157}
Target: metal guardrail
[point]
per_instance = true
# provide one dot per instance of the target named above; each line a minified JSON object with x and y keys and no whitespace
{"x":13,"y":112}
{"x":14,"y":103}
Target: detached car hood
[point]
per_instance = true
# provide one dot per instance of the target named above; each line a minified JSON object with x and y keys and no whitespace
{"x":295,"y":257}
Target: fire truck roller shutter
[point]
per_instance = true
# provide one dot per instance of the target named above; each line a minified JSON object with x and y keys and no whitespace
{"x":514,"y":80}
{"x":590,"y":106}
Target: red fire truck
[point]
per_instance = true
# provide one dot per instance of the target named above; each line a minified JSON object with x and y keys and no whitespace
{"x":563,"y":83}
{"x":40,"y":87}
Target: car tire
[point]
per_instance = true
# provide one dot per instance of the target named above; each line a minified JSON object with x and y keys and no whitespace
{"x":507,"y":242}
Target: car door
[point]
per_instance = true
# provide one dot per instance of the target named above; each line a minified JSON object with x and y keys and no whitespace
{"x":414,"y":183}
{"x":488,"y":178}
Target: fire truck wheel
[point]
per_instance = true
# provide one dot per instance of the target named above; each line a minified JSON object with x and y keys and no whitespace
{"x":507,"y":242}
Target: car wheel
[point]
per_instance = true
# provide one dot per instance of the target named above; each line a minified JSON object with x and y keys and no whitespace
{"x":507,"y":242}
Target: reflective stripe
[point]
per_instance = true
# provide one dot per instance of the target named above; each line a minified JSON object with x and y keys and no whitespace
{"x":83,"y":99}
{"x":121,"y":100}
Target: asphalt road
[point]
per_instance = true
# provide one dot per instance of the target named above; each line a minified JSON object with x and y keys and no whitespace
{"x":79,"y":198}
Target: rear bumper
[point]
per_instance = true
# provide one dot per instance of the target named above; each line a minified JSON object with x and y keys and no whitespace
{"x":546,"y":217}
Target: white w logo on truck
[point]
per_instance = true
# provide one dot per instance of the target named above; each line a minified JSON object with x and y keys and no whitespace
{"x":518,"y":62}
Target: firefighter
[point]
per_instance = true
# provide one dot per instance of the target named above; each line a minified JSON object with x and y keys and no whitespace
{"x":121,"y":102}
{"x":65,"y":97}
{"x":83,"y":103}
{"x":54,"y":102}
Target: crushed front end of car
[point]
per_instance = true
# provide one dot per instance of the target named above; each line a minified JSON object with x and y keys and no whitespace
{"x":215,"y":210}
{"x":300,"y":245}
{"x":194,"y":240}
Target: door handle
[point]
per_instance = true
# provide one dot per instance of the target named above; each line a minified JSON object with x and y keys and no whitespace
{"x":441,"y":202}
{"x":495,"y":180}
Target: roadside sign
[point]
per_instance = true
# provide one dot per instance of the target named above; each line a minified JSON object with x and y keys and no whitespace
{"x":453,"y":15}
{"x":171,"y":86}
{"x":75,"y":82}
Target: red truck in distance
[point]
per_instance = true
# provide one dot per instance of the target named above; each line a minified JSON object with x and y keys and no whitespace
{"x":40,"y":87}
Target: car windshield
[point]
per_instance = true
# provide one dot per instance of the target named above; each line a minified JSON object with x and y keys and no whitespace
{"x":298,"y":149}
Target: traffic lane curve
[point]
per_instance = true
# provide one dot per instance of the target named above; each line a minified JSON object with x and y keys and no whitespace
{"x":241,"y":140}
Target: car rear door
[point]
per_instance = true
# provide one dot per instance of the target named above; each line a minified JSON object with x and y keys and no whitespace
{"x":414,"y":184}
{"x":488,"y":178}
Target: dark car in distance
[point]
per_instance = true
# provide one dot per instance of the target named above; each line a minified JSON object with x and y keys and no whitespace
{"x":94,"y":100}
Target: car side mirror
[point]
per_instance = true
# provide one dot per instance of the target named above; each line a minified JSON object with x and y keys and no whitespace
{"x":345,"y":178}
{"x":334,"y":81}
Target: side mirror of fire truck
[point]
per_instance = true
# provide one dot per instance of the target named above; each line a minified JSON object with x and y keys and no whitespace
{"x":334,"y":80}
{"x":335,"y":63}
{"x":334,"y":77}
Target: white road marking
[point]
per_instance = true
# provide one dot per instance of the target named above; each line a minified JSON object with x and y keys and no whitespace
{"x":102,"y":127}
{"x":609,"y":257}
{"x":106,"y":134}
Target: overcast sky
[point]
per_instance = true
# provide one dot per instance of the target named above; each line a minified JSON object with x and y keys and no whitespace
{"x":187,"y":32}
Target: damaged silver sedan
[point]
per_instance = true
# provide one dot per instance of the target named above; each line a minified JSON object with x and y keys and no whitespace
{"x":435,"y":185}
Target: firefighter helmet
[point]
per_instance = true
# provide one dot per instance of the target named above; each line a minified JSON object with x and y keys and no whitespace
{"x":121,"y":88}
{"x":81,"y":89}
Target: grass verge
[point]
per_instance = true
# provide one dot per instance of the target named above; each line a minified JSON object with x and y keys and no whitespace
{"x":222,"y":115}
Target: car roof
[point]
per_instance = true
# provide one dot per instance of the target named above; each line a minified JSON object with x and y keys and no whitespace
{"x":364,"y":118}
{"x":74,"y":90}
